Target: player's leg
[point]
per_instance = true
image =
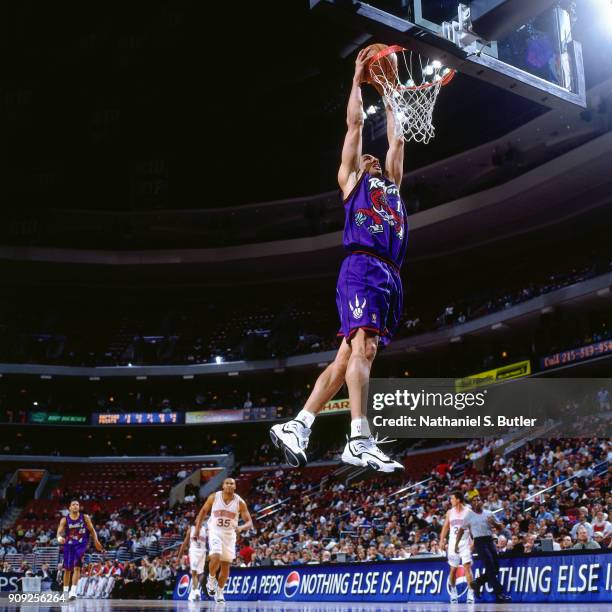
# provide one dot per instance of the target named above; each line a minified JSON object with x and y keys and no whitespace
{"x":193,"y":591}
{"x":228,"y":554}
{"x":197,"y":558}
{"x":361,"y":449}
{"x":79,"y":553}
{"x":67,"y":576}
{"x":292,"y":436}
{"x":222,"y":579}
{"x":214,"y":564}
{"x":452,"y":575}
{"x":452,"y":581}
{"x":467,"y":566}
{"x":328,"y":384}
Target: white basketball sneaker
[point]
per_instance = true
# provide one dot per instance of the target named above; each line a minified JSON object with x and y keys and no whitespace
{"x":211,"y":585}
{"x":454,"y":596}
{"x":292,"y":438}
{"x":219,"y":598}
{"x":470,"y":596}
{"x":363,"y":451}
{"x":193,"y":595}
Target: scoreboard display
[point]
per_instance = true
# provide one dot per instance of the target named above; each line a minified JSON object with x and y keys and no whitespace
{"x":582,"y":353}
{"x":138,"y":418}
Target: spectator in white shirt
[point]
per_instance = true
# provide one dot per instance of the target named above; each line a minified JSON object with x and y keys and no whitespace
{"x":502,"y":544}
{"x":582,"y":522}
{"x":601,"y":525}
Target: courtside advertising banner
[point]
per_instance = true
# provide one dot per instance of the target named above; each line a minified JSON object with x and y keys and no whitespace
{"x":9,"y":582}
{"x":560,"y":578}
{"x":181,"y":587}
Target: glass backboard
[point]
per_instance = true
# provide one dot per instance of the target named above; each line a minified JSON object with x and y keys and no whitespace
{"x":529,"y":48}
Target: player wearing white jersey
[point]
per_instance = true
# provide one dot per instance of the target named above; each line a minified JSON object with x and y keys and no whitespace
{"x":224,"y":508}
{"x":459,"y":552}
{"x":197,"y":558}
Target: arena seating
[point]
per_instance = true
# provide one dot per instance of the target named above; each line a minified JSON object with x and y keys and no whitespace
{"x":253,"y":330}
{"x":111,"y":486}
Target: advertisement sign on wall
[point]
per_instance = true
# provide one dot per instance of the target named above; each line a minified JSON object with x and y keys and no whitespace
{"x":589,"y":351}
{"x":335,"y":406}
{"x":482,"y":379}
{"x":539,"y":577}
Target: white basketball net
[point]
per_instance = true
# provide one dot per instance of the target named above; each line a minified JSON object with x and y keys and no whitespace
{"x":412,"y":92}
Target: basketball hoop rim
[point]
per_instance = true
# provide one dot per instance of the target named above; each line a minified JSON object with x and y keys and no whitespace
{"x":397,"y":49}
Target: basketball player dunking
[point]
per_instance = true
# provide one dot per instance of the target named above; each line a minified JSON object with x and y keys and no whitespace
{"x":369,"y":289}
{"x":459,"y":545}
{"x":79,"y":527}
{"x":224,"y":508}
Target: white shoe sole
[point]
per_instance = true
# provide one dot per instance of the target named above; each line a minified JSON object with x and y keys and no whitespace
{"x":389,"y":468}
{"x":293,"y":459}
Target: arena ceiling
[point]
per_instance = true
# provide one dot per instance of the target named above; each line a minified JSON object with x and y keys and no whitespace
{"x":187,"y":104}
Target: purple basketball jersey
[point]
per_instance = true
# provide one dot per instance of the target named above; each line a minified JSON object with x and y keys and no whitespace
{"x":375,"y":219}
{"x":77,"y":530}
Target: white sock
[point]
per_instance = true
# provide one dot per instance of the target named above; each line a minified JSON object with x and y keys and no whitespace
{"x":66,"y":589}
{"x":360,"y":427}
{"x":306,"y":418}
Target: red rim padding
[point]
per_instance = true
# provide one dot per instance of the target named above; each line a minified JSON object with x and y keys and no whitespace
{"x":397,"y":49}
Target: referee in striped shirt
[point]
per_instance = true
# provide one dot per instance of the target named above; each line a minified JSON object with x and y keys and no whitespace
{"x":481,"y":523}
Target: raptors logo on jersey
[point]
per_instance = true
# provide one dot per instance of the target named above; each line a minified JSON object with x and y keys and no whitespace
{"x":381,"y":210}
{"x":376,"y":219}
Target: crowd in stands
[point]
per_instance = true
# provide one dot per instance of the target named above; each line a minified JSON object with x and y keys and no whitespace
{"x":366,"y":521}
{"x":549,"y":495}
{"x":257,"y":328}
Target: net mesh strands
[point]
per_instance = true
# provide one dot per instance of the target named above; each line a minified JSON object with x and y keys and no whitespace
{"x":410,"y":87}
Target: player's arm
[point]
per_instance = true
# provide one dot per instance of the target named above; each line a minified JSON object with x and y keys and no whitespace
{"x":246,"y":517}
{"x":444,"y":532}
{"x":61,"y":528}
{"x":460,"y":535}
{"x":394,"y":162}
{"x":351,"y":150}
{"x":204,"y":512}
{"x":494,"y":523}
{"x":185,"y":543}
{"x":94,"y":535}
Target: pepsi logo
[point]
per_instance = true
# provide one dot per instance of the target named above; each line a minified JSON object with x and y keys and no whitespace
{"x":183,"y":585}
{"x":461,"y":582}
{"x":292,"y":584}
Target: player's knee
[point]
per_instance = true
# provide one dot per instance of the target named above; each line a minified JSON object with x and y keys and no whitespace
{"x":364,"y":345}
{"x":367,"y":348}
{"x":339,"y":366}
{"x":370,"y":349}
